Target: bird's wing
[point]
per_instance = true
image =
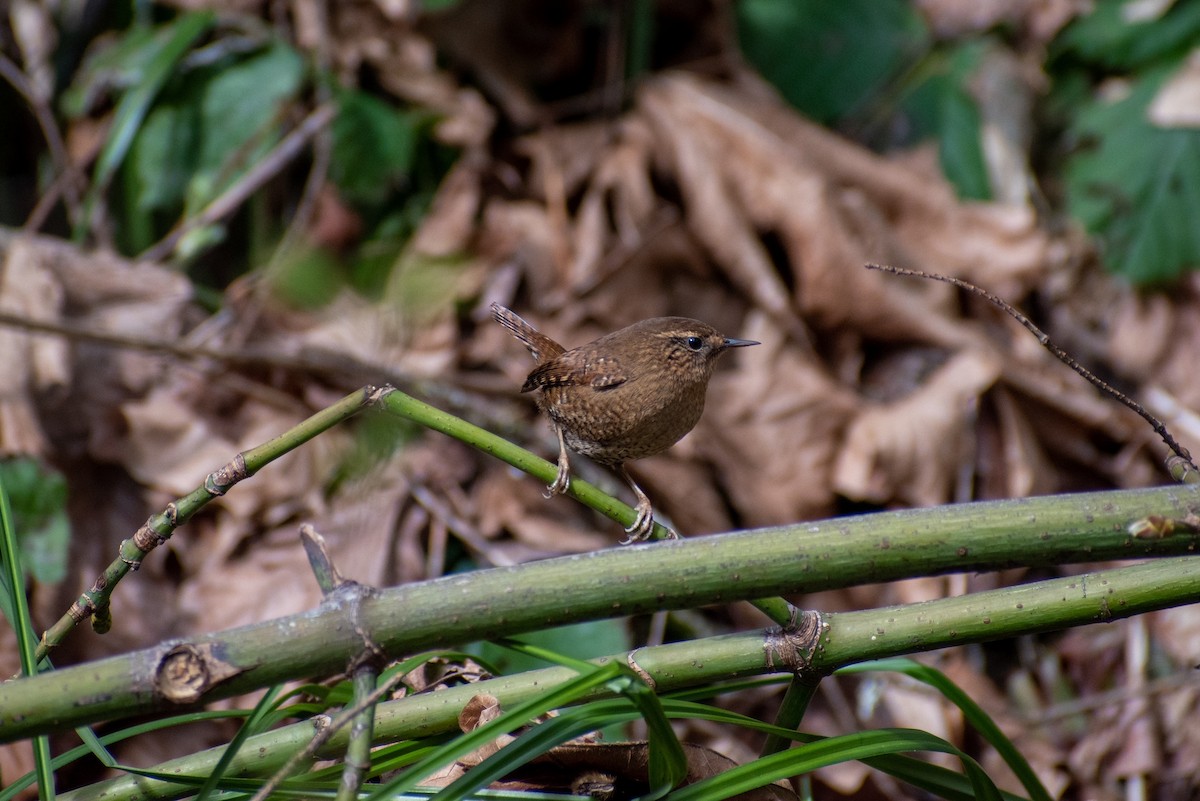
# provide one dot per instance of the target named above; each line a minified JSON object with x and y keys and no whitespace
{"x":577,"y":369}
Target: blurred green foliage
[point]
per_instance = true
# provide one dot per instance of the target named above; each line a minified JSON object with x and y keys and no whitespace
{"x":193,"y":101}
{"x":1133,"y":183}
{"x":939,"y":106}
{"x":38,"y":496}
{"x":830,"y":59}
{"x":198,"y":103}
{"x":853,"y":63}
{"x":873,"y":66}
{"x":1136,"y":185}
{"x":374,"y":147}
{"x":1113,"y":38}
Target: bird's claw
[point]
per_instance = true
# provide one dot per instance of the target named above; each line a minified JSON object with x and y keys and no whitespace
{"x":643,"y":527}
{"x":560,"y":485}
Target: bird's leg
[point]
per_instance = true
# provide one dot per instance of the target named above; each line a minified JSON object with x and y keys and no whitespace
{"x":562,"y":481}
{"x":643,"y":524}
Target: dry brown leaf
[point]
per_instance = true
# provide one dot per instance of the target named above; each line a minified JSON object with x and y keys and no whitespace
{"x":166,"y":446}
{"x":30,"y":364}
{"x":685,"y":490}
{"x":772,"y":429}
{"x":42,"y":278}
{"x":450,"y":223}
{"x":630,"y":761}
{"x":1035,"y":743}
{"x":748,"y":166}
{"x":918,"y":706}
{"x":380,"y":37}
{"x":1181,"y":733}
{"x":1021,"y":468}
{"x":480,"y":710}
{"x":911,"y":450}
{"x":521,"y":232}
{"x":1040,"y":19}
{"x":515,"y":504}
{"x":1177,"y":632}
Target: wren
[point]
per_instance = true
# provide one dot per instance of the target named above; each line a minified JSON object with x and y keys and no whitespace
{"x":627,"y":395}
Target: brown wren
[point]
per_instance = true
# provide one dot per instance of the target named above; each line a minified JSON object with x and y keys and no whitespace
{"x":627,"y":395}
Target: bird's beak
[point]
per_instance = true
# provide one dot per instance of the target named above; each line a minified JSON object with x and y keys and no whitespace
{"x":738,"y":343}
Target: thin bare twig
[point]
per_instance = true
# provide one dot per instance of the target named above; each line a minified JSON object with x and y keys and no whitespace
{"x":458,"y":526}
{"x":322,"y":736}
{"x":1180,"y":453}
{"x":339,"y":363}
{"x":69,"y":179}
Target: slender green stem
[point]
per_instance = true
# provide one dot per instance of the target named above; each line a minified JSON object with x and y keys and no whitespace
{"x":95,"y":601}
{"x":800,"y":692}
{"x":408,"y":407}
{"x":362,"y":737}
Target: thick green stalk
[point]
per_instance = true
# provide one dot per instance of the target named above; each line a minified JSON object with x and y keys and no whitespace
{"x":839,"y":639}
{"x":672,"y":575}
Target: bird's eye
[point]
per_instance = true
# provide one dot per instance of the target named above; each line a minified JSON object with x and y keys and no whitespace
{"x":695,"y":343}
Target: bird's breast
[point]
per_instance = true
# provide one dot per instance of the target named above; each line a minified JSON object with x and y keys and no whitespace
{"x":621,"y":423}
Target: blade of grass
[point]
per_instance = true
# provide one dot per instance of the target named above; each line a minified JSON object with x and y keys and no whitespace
{"x":64,"y":759}
{"x":668,"y":763}
{"x":830,"y":751}
{"x":517,"y":716}
{"x":18,"y":608}
{"x":258,"y":721}
{"x":932,"y":778}
{"x":537,"y":741}
{"x":972,"y":712}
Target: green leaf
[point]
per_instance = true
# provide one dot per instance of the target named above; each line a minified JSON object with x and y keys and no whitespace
{"x":240,"y":117}
{"x":160,"y":63}
{"x":518,"y":715}
{"x":117,"y":64}
{"x":830,"y":59}
{"x":1110,"y":38}
{"x":1136,"y":186}
{"x":374,"y":146}
{"x":830,"y":751}
{"x":39,"y":500}
{"x":204,"y":132}
{"x":307,"y":279}
{"x":940,"y":106}
{"x":163,"y":157}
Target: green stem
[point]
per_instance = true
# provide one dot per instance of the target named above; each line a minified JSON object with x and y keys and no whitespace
{"x":844,"y":638}
{"x":408,"y":407}
{"x":159,"y":528}
{"x":612,"y":583}
{"x":796,"y":699}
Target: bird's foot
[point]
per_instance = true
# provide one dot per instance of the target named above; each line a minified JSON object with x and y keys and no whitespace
{"x":643,"y":525}
{"x":561,"y":483}
{"x":562,"y":479}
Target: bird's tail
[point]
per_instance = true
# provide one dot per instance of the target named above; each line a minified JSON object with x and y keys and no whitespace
{"x":541,"y":346}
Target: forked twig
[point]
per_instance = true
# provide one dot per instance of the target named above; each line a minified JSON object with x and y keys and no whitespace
{"x":1180,"y":464}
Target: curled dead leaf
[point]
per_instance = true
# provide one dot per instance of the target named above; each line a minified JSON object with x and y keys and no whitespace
{"x":911,"y":450}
